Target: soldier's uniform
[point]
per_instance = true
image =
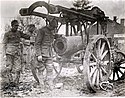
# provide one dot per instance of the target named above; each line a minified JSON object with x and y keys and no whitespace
{"x":13,"y":54}
{"x":32,"y":43}
{"x":43,"y":46}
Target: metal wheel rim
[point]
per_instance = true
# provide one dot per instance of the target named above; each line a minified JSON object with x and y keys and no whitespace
{"x":100,"y":70}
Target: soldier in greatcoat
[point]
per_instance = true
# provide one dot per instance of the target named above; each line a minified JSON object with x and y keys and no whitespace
{"x":12,"y":47}
{"x":43,"y":46}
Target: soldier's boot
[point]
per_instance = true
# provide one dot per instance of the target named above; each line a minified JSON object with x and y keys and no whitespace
{"x":11,"y":77}
{"x":10,"y":83}
{"x":9,"y":72}
{"x":41,"y":81}
{"x":17,"y":78}
{"x":49,"y":76}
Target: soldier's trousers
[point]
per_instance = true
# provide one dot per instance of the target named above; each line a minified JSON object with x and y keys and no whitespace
{"x":13,"y":64}
{"x":47,"y":65}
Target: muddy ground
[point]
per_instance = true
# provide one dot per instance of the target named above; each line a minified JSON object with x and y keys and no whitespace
{"x":72,"y":85}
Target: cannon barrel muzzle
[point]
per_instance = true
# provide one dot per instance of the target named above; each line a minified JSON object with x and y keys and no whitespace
{"x":67,"y":46}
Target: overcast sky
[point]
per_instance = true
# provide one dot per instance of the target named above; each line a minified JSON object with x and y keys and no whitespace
{"x":10,"y":8}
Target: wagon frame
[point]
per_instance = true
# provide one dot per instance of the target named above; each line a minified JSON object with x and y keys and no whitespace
{"x":100,"y":59}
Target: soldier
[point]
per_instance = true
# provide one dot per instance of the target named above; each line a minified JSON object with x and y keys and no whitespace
{"x":43,"y":45}
{"x":12,"y":45}
{"x":29,"y":45}
{"x":33,"y":33}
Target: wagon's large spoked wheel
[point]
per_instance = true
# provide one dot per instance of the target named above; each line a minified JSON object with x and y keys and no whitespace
{"x":118,"y":72}
{"x":97,"y":63}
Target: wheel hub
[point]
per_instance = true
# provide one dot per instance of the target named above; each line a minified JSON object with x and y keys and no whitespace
{"x":99,"y":63}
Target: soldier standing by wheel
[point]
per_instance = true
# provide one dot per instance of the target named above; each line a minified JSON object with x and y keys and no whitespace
{"x":43,"y":46}
{"x":12,"y":45}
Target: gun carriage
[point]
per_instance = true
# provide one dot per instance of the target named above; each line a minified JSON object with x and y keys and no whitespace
{"x":96,"y":53}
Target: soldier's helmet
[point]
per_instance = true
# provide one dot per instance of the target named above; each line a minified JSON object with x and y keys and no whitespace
{"x":13,"y":22}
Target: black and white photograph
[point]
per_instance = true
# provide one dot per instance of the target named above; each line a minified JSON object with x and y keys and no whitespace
{"x":62,"y":48}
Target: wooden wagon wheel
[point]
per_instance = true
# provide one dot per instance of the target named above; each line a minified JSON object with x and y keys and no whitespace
{"x":97,"y":62}
{"x":118,"y":72}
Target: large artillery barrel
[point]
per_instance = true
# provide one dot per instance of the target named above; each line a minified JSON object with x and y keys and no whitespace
{"x":67,"y":46}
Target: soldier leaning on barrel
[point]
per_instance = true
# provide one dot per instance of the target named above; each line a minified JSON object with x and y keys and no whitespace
{"x":28,"y":50}
{"x":43,"y":46}
{"x":32,"y":32}
{"x":12,"y":46}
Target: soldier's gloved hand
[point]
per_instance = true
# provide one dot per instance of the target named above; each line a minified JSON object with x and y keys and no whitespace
{"x":39,"y":58}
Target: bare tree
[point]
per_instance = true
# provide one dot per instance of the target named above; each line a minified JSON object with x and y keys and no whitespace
{"x":7,"y":27}
{"x":81,"y":4}
{"x":25,"y":21}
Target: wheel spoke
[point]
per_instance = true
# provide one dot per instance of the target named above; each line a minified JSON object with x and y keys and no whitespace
{"x":93,"y":71}
{"x":113,"y":75}
{"x":94,"y":57}
{"x":97,"y":78}
{"x":100,"y":74}
{"x":120,"y":71}
{"x":93,"y":63}
{"x":104,"y":54}
{"x":94,"y":77}
{"x":122,"y":67}
{"x":99,"y":45}
{"x":103,"y":70}
{"x":117,"y":74}
{"x":102,"y":48}
{"x":123,"y":62}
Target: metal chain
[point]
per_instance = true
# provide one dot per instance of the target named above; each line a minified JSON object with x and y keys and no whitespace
{"x":106,"y":86}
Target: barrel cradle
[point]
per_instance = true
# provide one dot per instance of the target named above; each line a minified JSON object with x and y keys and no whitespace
{"x":67,"y":46}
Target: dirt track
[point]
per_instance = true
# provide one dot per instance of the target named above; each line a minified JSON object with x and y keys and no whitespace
{"x":73,"y":86}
